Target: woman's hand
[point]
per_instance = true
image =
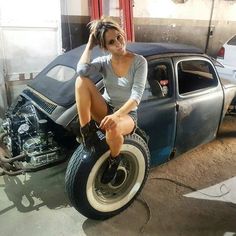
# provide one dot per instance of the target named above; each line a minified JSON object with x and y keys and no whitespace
{"x":109,"y":122}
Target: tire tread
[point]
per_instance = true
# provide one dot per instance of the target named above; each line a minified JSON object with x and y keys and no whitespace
{"x":73,"y":173}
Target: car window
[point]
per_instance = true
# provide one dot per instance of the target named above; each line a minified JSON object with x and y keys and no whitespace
{"x":159,"y":79}
{"x":232,"y":41}
{"x":194,"y":75}
{"x":61,"y":73}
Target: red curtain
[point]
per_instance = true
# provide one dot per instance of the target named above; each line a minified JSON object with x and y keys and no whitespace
{"x":126,"y":6}
{"x":126,"y":15}
{"x":95,"y":7}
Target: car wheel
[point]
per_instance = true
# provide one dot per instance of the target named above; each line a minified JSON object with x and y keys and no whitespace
{"x":96,"y":200}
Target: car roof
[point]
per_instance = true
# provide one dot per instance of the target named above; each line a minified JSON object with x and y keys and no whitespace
{"x":63,"y":93}
{"x":143,"y":48}
{"x":146,"y":49}
{"x":150,"y":49}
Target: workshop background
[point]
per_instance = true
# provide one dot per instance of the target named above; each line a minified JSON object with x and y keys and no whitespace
{"x":34,"y":32}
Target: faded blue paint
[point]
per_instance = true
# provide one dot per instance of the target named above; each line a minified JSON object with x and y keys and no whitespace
{"x":160,"y":156}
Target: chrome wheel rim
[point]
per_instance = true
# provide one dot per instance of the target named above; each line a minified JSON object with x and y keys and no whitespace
{"x":123,"y":187}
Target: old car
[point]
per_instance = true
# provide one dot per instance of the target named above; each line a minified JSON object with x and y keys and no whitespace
{"x":183,"y":105}
{"x":227,"y":57}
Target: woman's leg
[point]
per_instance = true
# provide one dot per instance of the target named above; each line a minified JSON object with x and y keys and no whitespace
{"x":115,"y":136}
{"x":115,"y":139}
{"x":90,"y":102}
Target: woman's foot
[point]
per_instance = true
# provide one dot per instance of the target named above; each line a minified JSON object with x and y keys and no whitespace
{"x":110,"y":171}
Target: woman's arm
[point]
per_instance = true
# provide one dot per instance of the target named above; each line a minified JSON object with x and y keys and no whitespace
{"x":112,"y":120}
{"x":86,"y":56}
{"x":85,"y":67}
{"x":126,"y":108}
{"x":140,"y":78}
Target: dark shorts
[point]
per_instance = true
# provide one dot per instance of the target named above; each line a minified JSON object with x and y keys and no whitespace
{"x":132,"y":114}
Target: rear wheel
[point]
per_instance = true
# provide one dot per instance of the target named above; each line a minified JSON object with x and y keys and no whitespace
{"x":83,"y":178}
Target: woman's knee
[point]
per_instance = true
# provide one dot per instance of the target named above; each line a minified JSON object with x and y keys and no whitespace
{"x":81,"y":82}
{"x":113,"y":133}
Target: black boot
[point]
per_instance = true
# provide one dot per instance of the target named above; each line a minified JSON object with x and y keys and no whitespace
{"x":111,"y":169}
{"x":89,"y":134}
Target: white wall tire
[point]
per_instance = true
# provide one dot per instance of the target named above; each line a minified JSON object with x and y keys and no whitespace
{"x":96,"y":200}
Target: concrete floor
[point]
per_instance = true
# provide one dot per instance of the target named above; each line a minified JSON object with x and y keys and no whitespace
{"x":36,"y":204}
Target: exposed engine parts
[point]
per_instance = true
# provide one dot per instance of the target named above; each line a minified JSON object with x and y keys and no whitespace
{"x":28,"y":139}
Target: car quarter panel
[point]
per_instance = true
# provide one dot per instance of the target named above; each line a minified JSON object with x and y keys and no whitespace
{"x":229,"y":88}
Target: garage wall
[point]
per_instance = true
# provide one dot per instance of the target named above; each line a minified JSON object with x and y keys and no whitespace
{"x":162,"y":20}
{"x":3,"y":99}
{"x":30,"y":37}
{"x":224,"y":21}
{"x":30,"y":34}
{"x":166,"y":20}
{"x":74,"y":18}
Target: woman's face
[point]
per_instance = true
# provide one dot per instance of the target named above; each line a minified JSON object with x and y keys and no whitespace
{"x":115,"y":42}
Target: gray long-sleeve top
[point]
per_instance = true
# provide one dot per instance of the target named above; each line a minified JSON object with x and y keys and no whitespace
{"x":118,"y":89}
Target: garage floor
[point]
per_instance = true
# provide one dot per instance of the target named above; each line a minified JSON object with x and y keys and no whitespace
{"x":36,"y":204}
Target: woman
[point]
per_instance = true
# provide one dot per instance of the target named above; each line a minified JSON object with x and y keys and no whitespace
{"x":124,"y":74}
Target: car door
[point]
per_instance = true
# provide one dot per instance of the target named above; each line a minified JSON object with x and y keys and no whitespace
{"x":157,"y":110}
{"x":199,"y":102}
